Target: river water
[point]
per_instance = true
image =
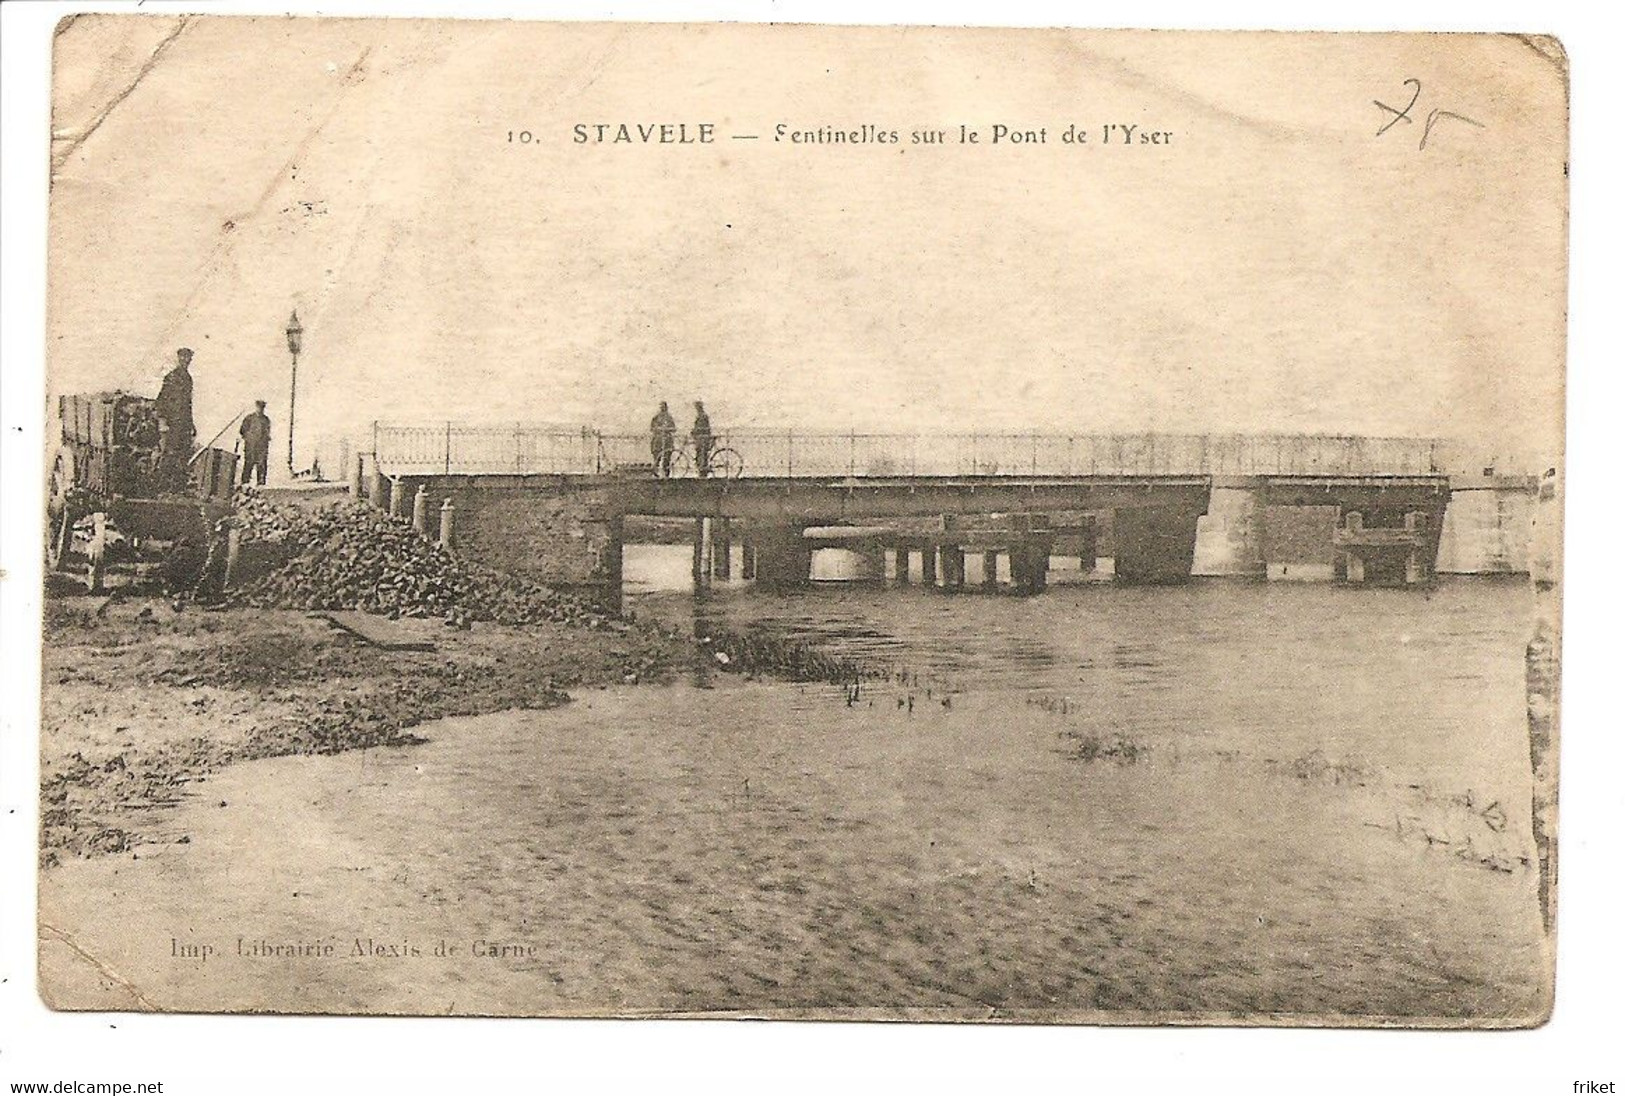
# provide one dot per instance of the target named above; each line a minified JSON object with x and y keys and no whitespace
{"x":1428,"y":685}
{"x":1218,"y":800}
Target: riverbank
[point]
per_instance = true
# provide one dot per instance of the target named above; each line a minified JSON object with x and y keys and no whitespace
{"x":142,"y":702}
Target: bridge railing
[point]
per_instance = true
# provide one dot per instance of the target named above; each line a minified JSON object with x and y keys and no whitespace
{"x":555,"y":449}
{"x":457,"y":448}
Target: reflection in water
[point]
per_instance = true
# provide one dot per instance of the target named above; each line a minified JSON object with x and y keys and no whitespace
{"x":1427,"y":685}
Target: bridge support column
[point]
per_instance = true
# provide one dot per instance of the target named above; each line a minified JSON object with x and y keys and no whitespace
{"x":420,"y":510}
{"x":448,"y":524}
{"x":1029,"y":564}
{"x":871,"y":562}
{"x":378,"y":490}
{"x":1349,"y":559}
{"x":928,"y":564}
{"x":1354,"y":568}
{"x":400,"y":499}
{"x":1418,"y":565}
{"x":783,"y":557}
{"x":990,"y":570}
{"x":697,"y":564}
{"x":747,"y":559}
{"x":1104,"y":560}
{"x":721,"y":549}
{"x":1154,"y":544}
{"x":900,"y":564}
{"x":953,"y":566}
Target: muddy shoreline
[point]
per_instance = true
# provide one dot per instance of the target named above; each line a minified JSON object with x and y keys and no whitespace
{"x":142,"y":702}
{"x":143,"y":698}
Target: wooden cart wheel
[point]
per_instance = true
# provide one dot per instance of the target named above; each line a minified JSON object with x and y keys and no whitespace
{"x":61,"y":483}
{"x":58,"y":508}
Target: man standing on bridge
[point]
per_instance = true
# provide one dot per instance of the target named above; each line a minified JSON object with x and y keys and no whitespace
{"x":256,"y":432}
{"x":662,"y":440}
{"x":704,"y":440}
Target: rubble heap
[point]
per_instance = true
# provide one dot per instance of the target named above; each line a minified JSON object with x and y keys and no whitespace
{"x":349,"y":556}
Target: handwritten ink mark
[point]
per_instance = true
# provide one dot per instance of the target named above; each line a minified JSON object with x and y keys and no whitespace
{"x":1435,"y":115}
{"x":1400,"y":115}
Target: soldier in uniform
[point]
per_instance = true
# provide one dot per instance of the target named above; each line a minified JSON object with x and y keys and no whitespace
{"x":256,"y":432}
{"x":704,"y":440}
{"x":662,"y":440}
{"x":176,"y":430}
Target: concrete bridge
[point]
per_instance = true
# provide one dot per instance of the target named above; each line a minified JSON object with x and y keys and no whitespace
{"x":553,"y":502}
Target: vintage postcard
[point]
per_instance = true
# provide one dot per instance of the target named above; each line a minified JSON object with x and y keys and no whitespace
{"x":801,"y":521}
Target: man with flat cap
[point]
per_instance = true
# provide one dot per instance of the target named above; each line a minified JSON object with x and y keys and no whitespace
{"x":175,"y":427}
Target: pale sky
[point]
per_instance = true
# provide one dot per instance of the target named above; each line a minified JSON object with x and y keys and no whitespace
{"x":1277,"y":267}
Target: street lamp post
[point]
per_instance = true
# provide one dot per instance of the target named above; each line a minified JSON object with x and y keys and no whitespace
{"x":295,"y":339}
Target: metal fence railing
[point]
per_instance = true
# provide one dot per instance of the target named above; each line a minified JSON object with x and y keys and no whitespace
{"x":529,"y":449}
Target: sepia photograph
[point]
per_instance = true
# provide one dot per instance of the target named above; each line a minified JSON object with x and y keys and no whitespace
{"x":907,"y":523}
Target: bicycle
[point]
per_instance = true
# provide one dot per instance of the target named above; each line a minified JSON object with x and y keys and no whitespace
{"x":725,"y":463}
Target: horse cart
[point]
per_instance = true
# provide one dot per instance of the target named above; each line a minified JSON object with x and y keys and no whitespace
{"x":118,"y":513}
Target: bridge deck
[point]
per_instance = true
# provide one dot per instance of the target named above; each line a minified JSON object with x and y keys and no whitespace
{"x":812,"y":499}
{"x":855,"y":498}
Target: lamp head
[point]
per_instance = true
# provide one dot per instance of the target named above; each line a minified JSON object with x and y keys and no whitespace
{"x":295,"y":333}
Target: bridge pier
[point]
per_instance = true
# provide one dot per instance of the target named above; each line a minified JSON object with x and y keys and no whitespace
{"x":1020,"y":568}
{"x":721,"y":549}
{"x":697,"y":569}
{"x":953,"y":566}
{"x":1230,"y":538}
{"x":783,"y":557}
{"x":871,"y":562}
{"x":1358,"y":530}
{"x":1487,"y":528}
{"x":928,"y":564}
{"x":900,"y":564}
{"x":990,"y":570}
{"x":747,"y":559}
{"x":1386,"y":555}
{"x":1105,"y":557}
{"x":1419,"y":563}
{"x":1029,"y":564}
{"x":1155,"y":545}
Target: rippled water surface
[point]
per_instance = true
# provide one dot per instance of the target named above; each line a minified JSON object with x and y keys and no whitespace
{"x":1216,"y":800}
{"x":1426,"y":684}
